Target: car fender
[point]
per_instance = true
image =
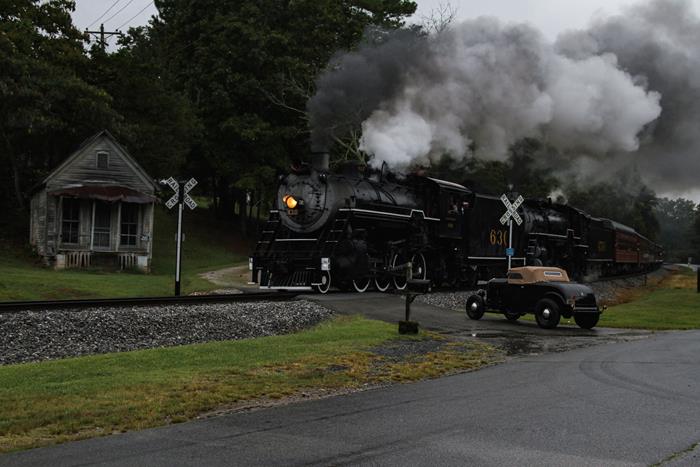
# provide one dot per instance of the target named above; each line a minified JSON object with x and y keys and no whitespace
{"x":556,"y":296}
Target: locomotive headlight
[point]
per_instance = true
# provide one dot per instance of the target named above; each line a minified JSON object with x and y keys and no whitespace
{"x":290,"y":201}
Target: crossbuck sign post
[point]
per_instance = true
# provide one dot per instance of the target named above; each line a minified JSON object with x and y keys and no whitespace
{"x":510,"y":215}
{"x":180,"y":197}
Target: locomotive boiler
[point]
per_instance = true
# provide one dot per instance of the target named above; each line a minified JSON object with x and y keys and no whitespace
{"x":354,"y":229}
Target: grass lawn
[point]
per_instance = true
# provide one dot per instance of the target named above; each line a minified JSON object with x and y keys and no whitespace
{"x":672,"y":304}
{"x":49,"y":402}
{"x":208,"y":246}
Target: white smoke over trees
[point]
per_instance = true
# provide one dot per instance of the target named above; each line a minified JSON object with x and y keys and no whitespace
{"x":624,"y":91}
{"x":495,"y":84}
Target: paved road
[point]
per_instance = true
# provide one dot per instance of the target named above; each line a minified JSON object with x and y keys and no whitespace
{"x":631,"y":403}
{"x":388,"y":307}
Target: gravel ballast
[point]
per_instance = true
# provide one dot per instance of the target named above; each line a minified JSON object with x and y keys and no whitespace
{"x":451,"y":300}
{"x":32,"y":336}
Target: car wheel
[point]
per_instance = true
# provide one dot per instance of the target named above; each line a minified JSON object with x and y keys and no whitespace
{"x":475,"y":307}
{"x":586,"y":320}
{"x":547,"y":313}
{"x":512,"y":316}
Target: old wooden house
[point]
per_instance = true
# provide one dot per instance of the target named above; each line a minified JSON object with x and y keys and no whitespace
{"x":96,"y":208}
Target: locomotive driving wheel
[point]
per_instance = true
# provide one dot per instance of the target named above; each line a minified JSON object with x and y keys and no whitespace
{"x":420,"y":266}
{"x":399,"y":278}
{"x":362,"y":284}
{"x":382,"y":279}
{"x":325,"y":285}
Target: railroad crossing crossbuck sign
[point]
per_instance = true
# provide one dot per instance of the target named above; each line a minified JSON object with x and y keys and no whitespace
{"x":511,"y":210}
{"x":185,"y":190}
{"x":180,"y":190}
{"x":507,"y":218}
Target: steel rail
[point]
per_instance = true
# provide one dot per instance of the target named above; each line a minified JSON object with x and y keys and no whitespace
{"x":80,"y":304}
{"x":621,"y":277}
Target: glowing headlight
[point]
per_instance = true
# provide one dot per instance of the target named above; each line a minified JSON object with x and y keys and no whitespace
{"x":290,"y":201}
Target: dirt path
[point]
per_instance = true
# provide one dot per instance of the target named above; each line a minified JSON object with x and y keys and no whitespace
{"x":232,"y":279}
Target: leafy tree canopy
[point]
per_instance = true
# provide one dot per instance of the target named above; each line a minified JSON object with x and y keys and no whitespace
{"x":247,"y":67}
{"x":676,"y":217}
{"x":625,"y":201}
{"x":46,"y":105}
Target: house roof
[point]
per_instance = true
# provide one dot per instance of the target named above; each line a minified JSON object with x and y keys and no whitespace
{"x":88,"y":141}
{"x":109,"y":193}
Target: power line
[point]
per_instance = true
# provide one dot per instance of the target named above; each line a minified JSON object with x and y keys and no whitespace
{"x":120,"y":10}
{"x":103,"y":14}
{"x":103,"y":35}
{"x":136,"y":15}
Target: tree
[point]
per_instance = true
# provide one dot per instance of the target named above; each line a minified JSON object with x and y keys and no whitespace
{"x":230,"y":57}
{"x":159,"y":126}
{"x":46,"y":106}
{"x":528,"y":177}
{"x":521,"y":173}
{"x":676,"y":218}
{"x":626,"y":201}
{"x":695,"y":236}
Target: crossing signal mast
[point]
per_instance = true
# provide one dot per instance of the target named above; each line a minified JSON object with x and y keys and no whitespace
{"x":507,"y":218}
{"x":180,"y":198}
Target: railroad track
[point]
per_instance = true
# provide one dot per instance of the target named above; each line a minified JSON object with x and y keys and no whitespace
{"x":625,"y":276}
{"x":13,"y":307}
{"x":19,"y":306}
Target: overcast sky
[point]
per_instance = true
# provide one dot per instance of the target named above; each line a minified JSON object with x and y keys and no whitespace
{"x":549,"y":16}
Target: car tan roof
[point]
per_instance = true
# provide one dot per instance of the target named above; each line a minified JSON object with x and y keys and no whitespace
{"x":533,"y":274}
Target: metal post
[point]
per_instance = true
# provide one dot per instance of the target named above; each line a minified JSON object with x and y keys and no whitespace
{"x":409,"y":276}
{"x":510,"y":240}
{"x":698,"y":279}
{"x":178,"y":259}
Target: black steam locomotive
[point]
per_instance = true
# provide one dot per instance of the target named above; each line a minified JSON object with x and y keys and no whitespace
{"x":352,"y":230}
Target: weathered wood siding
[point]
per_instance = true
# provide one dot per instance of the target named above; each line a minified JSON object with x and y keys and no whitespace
{"x":84,"y":169}
{"x":37,"y":235}
{"x":147,"y":212}
{"x":52,"y":225}
{"x":81,"y":169}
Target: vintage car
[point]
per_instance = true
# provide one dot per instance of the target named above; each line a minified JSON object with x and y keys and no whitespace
{"x":544,"y":291}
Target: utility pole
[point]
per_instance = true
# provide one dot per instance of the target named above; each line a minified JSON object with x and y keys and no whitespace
{"x":103,"y":35}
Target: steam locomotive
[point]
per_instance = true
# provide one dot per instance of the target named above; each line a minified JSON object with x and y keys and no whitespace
{"x":354,"y":229}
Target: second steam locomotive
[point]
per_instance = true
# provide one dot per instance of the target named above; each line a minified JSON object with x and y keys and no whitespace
{"x":352,"y":230}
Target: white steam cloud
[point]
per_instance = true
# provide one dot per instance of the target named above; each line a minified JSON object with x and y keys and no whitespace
{"x":485,"y":85}
{"x":595,"y":95}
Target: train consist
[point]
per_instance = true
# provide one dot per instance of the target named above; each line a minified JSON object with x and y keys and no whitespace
{"x":353,"y":230}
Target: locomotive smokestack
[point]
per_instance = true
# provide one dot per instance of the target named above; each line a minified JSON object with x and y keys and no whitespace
{"x":320,"y":161}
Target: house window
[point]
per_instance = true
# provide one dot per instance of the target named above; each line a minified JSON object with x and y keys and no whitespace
{"x":70,"y":225}
{"x":130,"y":224}
{"x":102,"y":160}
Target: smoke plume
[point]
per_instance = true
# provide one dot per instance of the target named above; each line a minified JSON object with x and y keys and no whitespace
{"x":657,"y":42}
{"x":624,"y":90}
